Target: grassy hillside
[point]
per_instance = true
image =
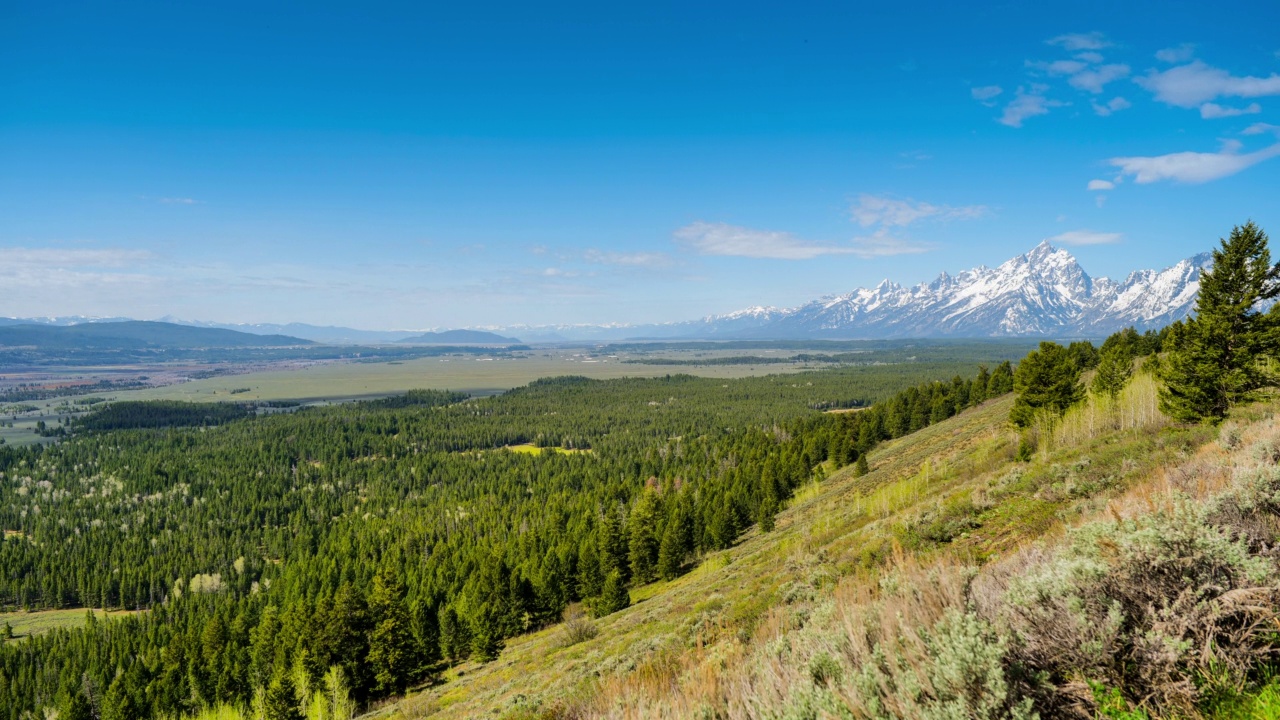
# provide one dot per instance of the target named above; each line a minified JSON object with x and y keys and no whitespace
{"x":945,"y":499}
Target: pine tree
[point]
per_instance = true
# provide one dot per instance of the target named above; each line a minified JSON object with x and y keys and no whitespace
{"x":642,"y":547}
{"x":1113,"y":371}
{"x":862,"y":467}
{"x":119,"y":703}
{"x":73,"y":705}
{"x":590,"y":573}
{"x":1213,"y":358}
{"x":1001,"y":380}
{"x":613,"y":546}
{"x":1047,"y":380}
{"x":392,"y":654}
{"x":281,"y":700}
{"x":767,"y":512}
{"x":455,"y":637}
{"x":615,"y":596}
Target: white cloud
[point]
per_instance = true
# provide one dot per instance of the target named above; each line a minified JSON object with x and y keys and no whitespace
{"x":1195,"y":83}
{"x":179,"y":201}
{"x":1101,"y":185}
{"x":1096,"y":79}
{"x":1059,"y":67}
{"x":1116,"y":104}
{"x":884,"y":211}
{"x":1181,"y":53}
{"x":635,"y":260}
{"x":1213,"y":111}
{"x":882,"y":244}
{"x":1086,"y":237}
{"x":733,"y":240}
{"x":1027,"y":104}
{"x":1081,"y":41}
{"x":986,"y":94}
{"x":1260,"y":128}
{"x":1090,"y":57}
{"x":1192,"y":167}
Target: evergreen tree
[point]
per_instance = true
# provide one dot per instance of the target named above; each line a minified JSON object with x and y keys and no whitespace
{"x":768,"y":511}
{"x":1213,"y":358}
{"x":455,"y":638}
{"x":1047,"y":380}
{"x":486,"y":632}
{"x":677,"y":541}
{"x":426,"y":635}
{"x":590,"y":572}
{"x":862,"y":467}
{"x":73,"y":705}
{"x":979,"y":391}
{"x":615,"y":596}
{"x":1001,"y":380}
{"x":392,"y":654}
{"x":613,"y":546}
{"x":642,"y":547}
{"x":281,"y":700}
{"x":1113,"y":371}
{"x":120,"y":702}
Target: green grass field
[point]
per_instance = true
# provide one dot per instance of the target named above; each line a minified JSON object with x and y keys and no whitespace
{"x":344,"y":381}
{"x":26,"y":624}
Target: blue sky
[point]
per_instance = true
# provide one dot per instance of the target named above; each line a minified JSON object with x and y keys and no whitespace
{"x":427,"y":165}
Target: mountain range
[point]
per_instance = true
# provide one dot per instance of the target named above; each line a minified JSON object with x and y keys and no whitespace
{"x":1044,"y":292}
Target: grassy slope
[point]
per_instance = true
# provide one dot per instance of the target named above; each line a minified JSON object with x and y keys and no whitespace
{"x":951,"y":488}
{"x":26,"y":624}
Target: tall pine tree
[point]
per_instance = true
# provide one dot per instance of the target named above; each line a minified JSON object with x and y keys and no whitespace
{"x":392,"y":651}
{"x":1213,"y":356}
{"x":1047,"y":380}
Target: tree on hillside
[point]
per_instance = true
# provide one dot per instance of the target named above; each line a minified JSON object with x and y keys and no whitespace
{"x":1213,"y":356}
{"x":1001,"y":380}
{"x":615,"y":596}
{"x":1113,"y":371}
{"x":392,"y":651}
{"x":643,"y":543}
{"x":1047,"y":380}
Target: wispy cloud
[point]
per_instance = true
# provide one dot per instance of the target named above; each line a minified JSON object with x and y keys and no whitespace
{"x":1101,"y":185}
{"x":1094,"y":80}
{"x":882,"y":244}
{"x":1213,"y":111}
{"x":986,"y":94}
{"x":1028,"y":103}
{"x":870,"y":210}
{"x":1196,"y":82}
{"x":1086,"y":237}
{"x":179,"y":201}
{"x":1179,"y":54}
{"x":72,"y":257}
{"x":624,"y":259}
{"x":1261,"y":128}
{"x":1081,"y":41}
{"x":1192,"y":167}
{"x":1114,"y":105}
{"x":736,"y":241}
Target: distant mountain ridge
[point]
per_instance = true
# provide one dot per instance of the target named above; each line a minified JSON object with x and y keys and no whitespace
{"x":459,"y":337}
{"x":133,"y":335}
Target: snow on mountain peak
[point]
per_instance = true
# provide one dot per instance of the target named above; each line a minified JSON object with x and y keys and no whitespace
{"x":1044,"y":291}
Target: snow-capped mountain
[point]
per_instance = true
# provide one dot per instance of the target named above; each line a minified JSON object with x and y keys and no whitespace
{"x":1043,"y":292}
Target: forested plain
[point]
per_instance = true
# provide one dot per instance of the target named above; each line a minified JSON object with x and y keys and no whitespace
{"x":380,"y":541}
